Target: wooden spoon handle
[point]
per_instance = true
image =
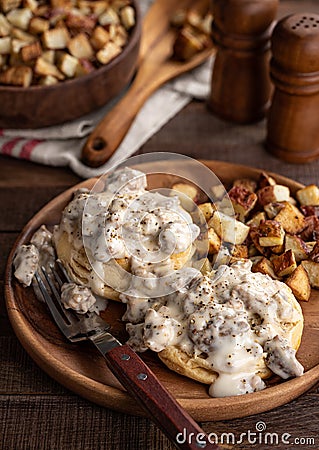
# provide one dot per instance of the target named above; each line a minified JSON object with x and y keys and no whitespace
{"x":161,"y":406}
{"x":110,"y":132}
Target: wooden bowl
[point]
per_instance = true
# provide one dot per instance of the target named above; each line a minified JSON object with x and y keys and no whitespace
{"x":42,"y":106}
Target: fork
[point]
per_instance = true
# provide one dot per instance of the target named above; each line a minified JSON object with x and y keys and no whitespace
{"x":125,"y":364}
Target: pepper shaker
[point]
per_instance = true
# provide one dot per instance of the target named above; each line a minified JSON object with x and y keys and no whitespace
{"x":241,"y":87}
{"x":293,"y":122}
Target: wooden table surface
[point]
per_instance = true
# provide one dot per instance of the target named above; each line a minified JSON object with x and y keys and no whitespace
{"x":35,"y":411}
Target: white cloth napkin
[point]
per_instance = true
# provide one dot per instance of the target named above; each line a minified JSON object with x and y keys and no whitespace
{"x":61,"y":145}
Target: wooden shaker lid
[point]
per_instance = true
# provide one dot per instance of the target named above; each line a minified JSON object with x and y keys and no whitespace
{"x":295,"y":43}
{"x":244,"y":17}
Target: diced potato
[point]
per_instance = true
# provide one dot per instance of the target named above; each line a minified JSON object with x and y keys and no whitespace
{"x":8,"y":5}
{"x":57,"y":38}
{"x":80,"y":23}
{"x":254,"y":236}
{"x":207,"y":209}
{"x":109,"y":17}
{"x":49,"y":56}
{"x":243,"y":201}
{"x":186,"y":193}
{"x":80,"y":47}
{"x":31,"y":4}
{"x":3,"y":60}
{"x":48,"y":80}
{"x":31,"y":51}
{"x":5,"y":26}
{"x":278,"y":249}
{"x":256,"y":219}
{"x":239,"y":252}
{"x":299,"y":283}
{"x":311,"y":230}
{"x":22,"y":35}
{"x":291,"y":219}
{"x":314,"y":255}
{"x":17,"y":76}
{"x":178,"y":18}
{"x":263,"y":265}
{"x":272,"y":194}
{"x":272,"y":209}
{"x":99,"y":38}
{"x":38,"y":25}
{"x":284,"y":264}
{"x":43,"y":67}
{"x":265,"y":180}
{"x":214,"y":241}
{"x":127,"y":17}
{"x":20,"y":17}
{"x":308,"y":195}
{"x":297,"y":245}
{"x":271,"y":233}
{"x":310,"y":245}
{"x":68,"y":65}
{"x":17,"y":45}
{"x":5,"y":45}
{"x":310,"y":210}
{"x":228,"y":228}
{"x":246,"y":183}
{"x":121,"y":36}
{"x":312,"y":269}
{"x":187,"y":44}
{"x":84,"y":67}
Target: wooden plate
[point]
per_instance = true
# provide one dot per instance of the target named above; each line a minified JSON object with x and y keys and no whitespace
{"x":82,"y":370}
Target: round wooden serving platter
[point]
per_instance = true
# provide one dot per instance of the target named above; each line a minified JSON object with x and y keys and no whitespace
{"x":82,"y":370}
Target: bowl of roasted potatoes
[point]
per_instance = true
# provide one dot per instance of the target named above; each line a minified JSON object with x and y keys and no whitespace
{"x":62,"y":59}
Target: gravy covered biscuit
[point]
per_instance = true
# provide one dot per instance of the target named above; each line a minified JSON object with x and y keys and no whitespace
{"x":230,"y":329}
{"x":104,"y":238}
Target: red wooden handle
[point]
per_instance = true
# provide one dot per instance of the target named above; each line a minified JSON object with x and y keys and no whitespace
{"x":141,"y":383}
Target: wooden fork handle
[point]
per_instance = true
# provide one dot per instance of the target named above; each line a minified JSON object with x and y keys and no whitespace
{"x":169,"y":416}
{"x":110,"y":132}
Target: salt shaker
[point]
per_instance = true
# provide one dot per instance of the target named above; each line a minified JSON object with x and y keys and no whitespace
{"x":293,"y":122}
{"x":241,"y":87}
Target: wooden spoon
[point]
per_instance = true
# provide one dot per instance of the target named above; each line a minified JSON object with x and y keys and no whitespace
{"x":155,"y":68}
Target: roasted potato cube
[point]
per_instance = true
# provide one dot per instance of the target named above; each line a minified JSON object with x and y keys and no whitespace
{"x":214,"y":241}
{"x":284,"y":264}
{"x":239,"y":252}
{"x":206,"y":267}
{"x":263,"y":265}
{"x":272,"y":194}
{"x":48,"y":80}
{"x":291,"y":219}
{"x":43,"y":67}
{"x":109,"y":17}
{"x":30,"y":4}
{"x":22,"y":35}
{"x":256,"y":219}
{"x":38,"y":25}
{"x":187,"y":44}
{"x":68,"y":65}
{"x":5,"y":45}
{"x":3,"y":60}
{"x":299,"y":283}
{"x":80,"y":47}
{"x":246,"y":183}
{"x":17,"y":76}
{"x":271,"y":233}
{"x":178,"y":18}
{"x":5,"y":26}
{"x":84,"y":66}
{"x":207,"y":209}
{"x":57,"y":38}
{"x":254,"y":237}
{"x":121,"y":36}
{"x":265,"y":180}
{"x":127,"y":15}
{"x":309,"y":195}
{"x":97,"y":7}
{"x":31,"y":51}
{"x":17,"y":45}
{"x":20,"y":18}
{"x":311,"y":229}
{"x":272,"y":209}
{"x":99,"y":38}
{"x":8,"y":5}
{"x":312,"y":269}
{"x":49,"y":56}
{"x":310,"y":210}
{"x":243,"y":201}
{"x":314,"y":255}
{"x":297,"y":245}
{"x":228,"y":228}
{"x":187,"y":190}
{"x":80,"y":23}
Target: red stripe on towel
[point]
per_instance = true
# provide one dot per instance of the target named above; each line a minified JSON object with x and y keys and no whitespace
{"x":28,"y":148}
{"x":8,"y":147}
{"x":1,"y":132}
